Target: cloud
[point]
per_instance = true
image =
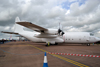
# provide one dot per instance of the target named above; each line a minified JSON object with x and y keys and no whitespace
{"x":88,"y":7}
{"x":79,"y":18}
{"x":25,"y":6}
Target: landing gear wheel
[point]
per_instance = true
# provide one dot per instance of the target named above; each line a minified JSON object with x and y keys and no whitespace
{"x":88,"y":44}
{"x":56,"y":43}
{"x":48,"y":44}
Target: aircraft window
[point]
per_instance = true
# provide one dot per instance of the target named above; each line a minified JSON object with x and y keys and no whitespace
{"x":91,"y":34}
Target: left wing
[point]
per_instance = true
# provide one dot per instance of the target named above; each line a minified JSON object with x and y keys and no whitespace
{"x":9,"y":32}
{"x":32,"y":26}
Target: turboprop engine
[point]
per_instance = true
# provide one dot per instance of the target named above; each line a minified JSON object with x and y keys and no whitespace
{"x":54,"y":31}
{"x":51,"y":31}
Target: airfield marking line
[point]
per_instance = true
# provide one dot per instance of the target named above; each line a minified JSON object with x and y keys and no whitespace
{"x":63,"y":58}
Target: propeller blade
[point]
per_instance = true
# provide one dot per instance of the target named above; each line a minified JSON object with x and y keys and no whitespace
{"x":60,"y":30}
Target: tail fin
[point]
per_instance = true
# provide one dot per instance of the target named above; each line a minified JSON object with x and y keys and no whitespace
{"x":18,"y":28}
{"x":17,"y":19}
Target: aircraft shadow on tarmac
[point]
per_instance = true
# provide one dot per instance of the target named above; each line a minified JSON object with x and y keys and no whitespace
{"x":62,"y":44}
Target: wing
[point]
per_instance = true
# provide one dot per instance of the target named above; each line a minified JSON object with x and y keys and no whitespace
{"x":9,"y":32}
{"x":32,"y":26}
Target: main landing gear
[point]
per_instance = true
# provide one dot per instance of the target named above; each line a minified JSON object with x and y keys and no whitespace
{"x":88,"y":44}
{"x":48,"y":44}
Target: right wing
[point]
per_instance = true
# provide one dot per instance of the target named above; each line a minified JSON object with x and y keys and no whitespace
{"x":32,"y":26}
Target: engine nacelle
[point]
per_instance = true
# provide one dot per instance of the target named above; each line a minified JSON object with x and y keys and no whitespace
{"x":52,"y":31}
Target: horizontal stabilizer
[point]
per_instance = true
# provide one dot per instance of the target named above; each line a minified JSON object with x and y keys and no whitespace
{"x":9,"y":32}
{"x":32,"y":26}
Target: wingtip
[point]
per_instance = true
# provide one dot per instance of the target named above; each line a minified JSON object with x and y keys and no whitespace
{"x":1,"y":31}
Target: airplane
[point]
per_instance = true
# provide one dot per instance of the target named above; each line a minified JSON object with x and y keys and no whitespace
{"x":51,"y":36}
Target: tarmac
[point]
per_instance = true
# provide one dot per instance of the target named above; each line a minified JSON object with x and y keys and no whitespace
{"x":29,"y":54}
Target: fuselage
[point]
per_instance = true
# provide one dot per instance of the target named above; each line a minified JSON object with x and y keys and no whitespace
{"x":79,"y":37}
{"x":68,"y":37}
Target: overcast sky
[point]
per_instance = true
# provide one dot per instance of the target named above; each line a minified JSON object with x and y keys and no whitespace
{"x":74,"y":15}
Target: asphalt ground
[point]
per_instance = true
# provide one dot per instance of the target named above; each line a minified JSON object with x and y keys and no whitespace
{"x":29,"y":54}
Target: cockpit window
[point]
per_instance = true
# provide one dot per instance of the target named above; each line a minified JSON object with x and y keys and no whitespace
{"x":91,"y":34}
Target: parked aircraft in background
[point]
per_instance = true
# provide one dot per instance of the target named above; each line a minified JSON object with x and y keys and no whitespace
{"x":52,"y":36}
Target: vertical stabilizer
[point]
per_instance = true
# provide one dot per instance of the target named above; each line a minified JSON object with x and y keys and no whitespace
{"x":18,"y":28}
{"x":17,"y":19}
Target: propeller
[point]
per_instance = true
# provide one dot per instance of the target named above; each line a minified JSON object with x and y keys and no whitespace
{"x":60,"y":31}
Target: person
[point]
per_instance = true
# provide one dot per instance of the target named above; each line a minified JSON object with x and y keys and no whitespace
{"x":3,"y":41}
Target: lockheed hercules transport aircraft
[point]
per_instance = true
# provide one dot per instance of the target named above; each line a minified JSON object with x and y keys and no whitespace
{"x":52,"y":36}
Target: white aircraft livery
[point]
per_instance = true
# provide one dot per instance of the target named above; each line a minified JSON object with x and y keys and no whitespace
{"x":52,"y":36}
